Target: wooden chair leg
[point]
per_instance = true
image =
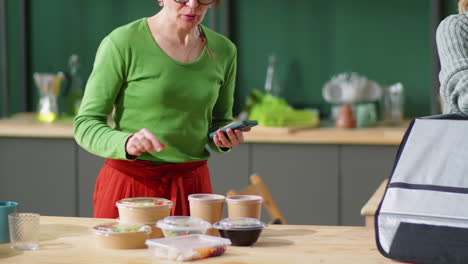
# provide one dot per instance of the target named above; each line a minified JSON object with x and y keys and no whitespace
{"x":270,"y":204}
{"x":231,"y":192}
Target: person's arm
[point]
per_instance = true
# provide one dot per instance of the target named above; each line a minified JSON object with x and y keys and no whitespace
{"x":452,"y":46}
{"x":222,"y":111}
{"x":91,"y":130}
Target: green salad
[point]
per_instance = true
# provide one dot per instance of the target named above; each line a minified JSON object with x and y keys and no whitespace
{"x":272,"y":111}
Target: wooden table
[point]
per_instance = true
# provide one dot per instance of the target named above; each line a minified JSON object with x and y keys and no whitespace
{"x":69,"y":240}
{"x":369,"y":209}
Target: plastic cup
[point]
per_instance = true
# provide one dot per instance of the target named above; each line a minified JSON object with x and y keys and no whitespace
{"x":208,"y":207}
{"x":6,"y":208}
{"x":24,"y":231}
{"x":244,"y":206}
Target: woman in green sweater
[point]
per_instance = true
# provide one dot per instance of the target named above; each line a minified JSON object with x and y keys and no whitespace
{"x":170,"y":82}
{"x":452,"y":45}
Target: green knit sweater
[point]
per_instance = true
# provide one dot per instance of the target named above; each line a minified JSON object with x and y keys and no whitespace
{"x":180,"y":103}
{"x":452,"y":45}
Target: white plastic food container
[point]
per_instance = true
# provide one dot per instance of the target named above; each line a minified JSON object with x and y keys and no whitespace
{"x":189,"y":247}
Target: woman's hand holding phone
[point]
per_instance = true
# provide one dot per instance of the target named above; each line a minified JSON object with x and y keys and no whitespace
{"x":232,"y":134}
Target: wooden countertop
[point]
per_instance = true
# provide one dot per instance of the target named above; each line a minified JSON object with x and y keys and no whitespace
{"x":329,"y":135}
{"x":25,"y":125}
{"x":69,"y":240}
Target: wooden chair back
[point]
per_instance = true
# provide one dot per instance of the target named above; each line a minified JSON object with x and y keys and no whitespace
{"x":258,"y":187}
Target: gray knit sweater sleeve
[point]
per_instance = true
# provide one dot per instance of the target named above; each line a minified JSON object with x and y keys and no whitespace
{"x":452,"y":45}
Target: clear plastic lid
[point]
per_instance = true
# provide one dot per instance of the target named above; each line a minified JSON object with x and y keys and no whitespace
{"x":141,"y":202}
{"x":183,"y":223}
{"x":117,"y":227}
{"x":239,"y":223}
{"x":244,"y":199}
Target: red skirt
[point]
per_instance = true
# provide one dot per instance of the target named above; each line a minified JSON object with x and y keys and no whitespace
{"x":121,"y":179}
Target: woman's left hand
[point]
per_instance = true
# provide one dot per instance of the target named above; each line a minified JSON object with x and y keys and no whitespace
{"x":233,"y":138}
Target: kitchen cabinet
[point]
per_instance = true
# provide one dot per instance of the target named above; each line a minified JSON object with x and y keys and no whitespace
{"x":39,"y":174}
{"x":89,"y":166}
{"x":317,"y":176}
{"x":302,"y":179}
{"x":362,"y":169}
{"x":320,"y":184}
{"x":230,"y":170}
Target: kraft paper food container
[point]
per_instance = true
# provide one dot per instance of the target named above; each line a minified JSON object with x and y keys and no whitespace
{"x":117,"y":235}
{"x":241,"y":231}
{"x":189,"y":247}
{"x":173,"y":226}
{"x":244,"y":206}
{"x":143,"y":209}
{"x":207,"y":206}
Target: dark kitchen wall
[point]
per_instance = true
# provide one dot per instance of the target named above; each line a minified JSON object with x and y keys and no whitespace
{"x":386,"y":41}
{"x":10,"y":63}
{"x":58,"y":29}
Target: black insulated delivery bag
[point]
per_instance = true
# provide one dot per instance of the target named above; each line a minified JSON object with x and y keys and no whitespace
{"x":423,"y":216}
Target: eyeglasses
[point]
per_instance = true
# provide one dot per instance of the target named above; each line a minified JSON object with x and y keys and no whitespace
{"x":201,"y":2}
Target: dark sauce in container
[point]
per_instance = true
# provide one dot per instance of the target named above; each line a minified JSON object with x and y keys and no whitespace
{"x":242,"y":231}
{"x":241,"y":237}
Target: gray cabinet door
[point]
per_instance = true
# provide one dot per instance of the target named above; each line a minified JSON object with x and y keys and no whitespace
{"x":363,"y":168}
{"x":312,"y":184}
{"x":230,"y":170}
{"x":39,"y":174}
{"x":302,"y":179}
{"x":89,"y":166}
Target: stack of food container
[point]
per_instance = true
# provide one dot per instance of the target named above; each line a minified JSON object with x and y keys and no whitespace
{"x":137,"y":223}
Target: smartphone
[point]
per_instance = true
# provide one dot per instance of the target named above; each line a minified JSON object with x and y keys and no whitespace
{"x":242,"y":125}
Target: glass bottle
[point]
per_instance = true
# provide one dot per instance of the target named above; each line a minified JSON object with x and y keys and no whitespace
{"x":392,"y":104}
{"x":271,"y":83}
{"x":75,"y":91}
